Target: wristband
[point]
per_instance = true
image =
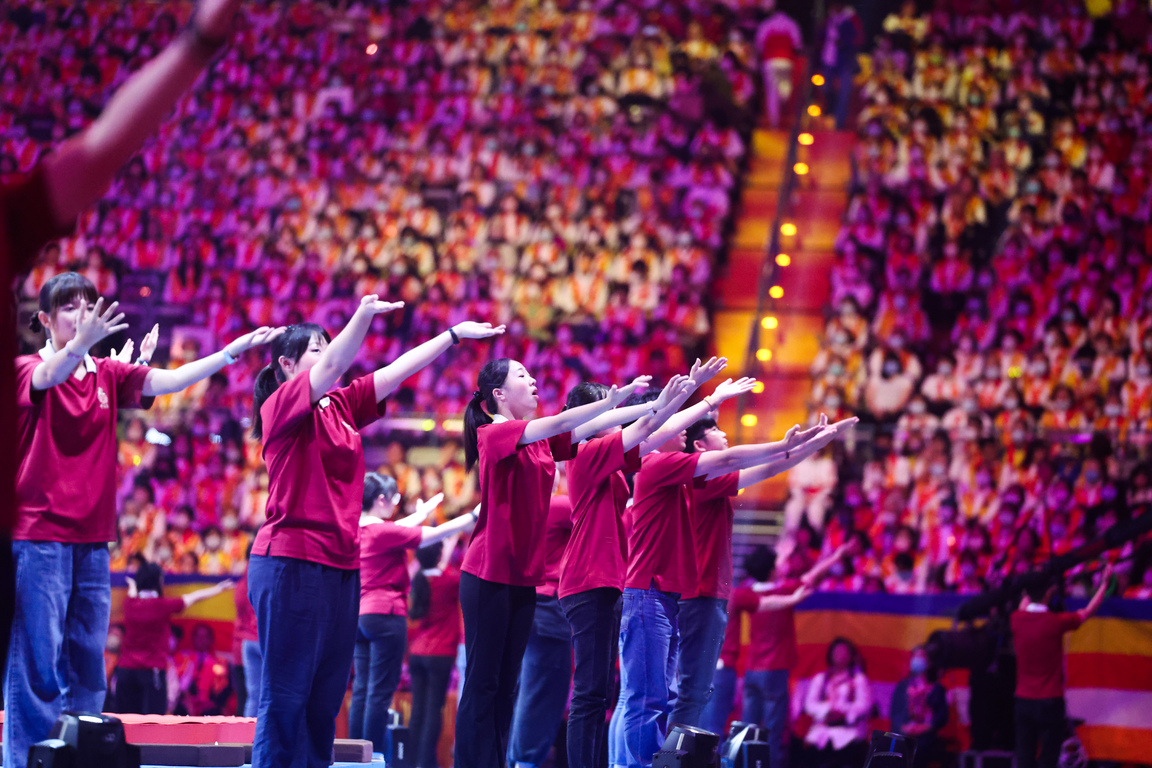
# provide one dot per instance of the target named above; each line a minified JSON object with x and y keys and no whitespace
{"x":68,"y":351}
{"x":709,"y":404}
{"x":228,"y":359}
{"x":141,"y":361}
{"x":455,"y":338}
{"x":787,"y":454}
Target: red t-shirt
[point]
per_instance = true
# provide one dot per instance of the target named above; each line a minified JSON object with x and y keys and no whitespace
{"x":26,"y":225}
{"x":316,"y":471}
{"x":730,"y":650}
{"x":772,"y":643}
{"x":384,"y":566}
{"x":556,"y":536}
{"x":662,"y":553}
{"x":438,"y":633}
{"x":597,"y":553}
{"x":1038,"y":637}
{"x":145,"y":644}
{"x":66,"y":444}
{"x":515,"y":485}
{"x":712,"y":509}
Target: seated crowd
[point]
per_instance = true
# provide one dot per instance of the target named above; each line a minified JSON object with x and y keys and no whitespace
{"x":566,"y":168}
{"x":992,"y":300}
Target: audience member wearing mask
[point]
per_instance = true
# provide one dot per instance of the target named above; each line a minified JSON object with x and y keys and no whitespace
{"x":920,"y":708}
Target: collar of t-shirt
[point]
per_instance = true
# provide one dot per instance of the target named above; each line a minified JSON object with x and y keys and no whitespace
{"x":499,"y":418}
{"x":49,"y":350}
{"x":366,"y":519}
{"x":1036,"y":608}
{"x":429,"y":572}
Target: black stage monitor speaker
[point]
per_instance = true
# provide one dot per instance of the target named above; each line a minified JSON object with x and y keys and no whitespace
{"x":746,"y":747}
{"x":397,"y":750}
{"x":890,"y":750}
{"x":85,"y":740}
{"x":688,"y":747}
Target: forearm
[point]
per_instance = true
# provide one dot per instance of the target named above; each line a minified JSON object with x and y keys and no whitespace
{"x":609,"y":419}
{"x":676,"y":423}
{"x":56,"y":369}
{"x":414,"y":519}
{"x":451,"y":528}
{"x":776,"y":603}
{"x":388,"y":378}
{"x":338,"y":356}
{"x":191,"y":598}
{"x":745,"y":457}
{"x":162,"y":381}
{"x":565,"y":421}
{"x":79,"y":172}
{"x":1094,"y":604}
{"x":820,"y":570}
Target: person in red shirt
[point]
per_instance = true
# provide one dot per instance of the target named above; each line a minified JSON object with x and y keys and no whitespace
{"x":382,"y":630}
{"x":517,"y":458}
{"x":662,"y":567}
{"x":703,"y":617}
{"x":772,"y":652}
{"x":303,"y":577}
{"x":594,"y":562}
{"x":434,"y":611}
{"x":67,"y":405}
{"x":140,"y":679}
{"x":1038,"y":638}
{"x":33,"y":210}
{"x":246,"y":643}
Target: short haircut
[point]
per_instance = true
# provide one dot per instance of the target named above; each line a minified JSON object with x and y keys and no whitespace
{"x":760,"y":563}
{"x":697,"y":432}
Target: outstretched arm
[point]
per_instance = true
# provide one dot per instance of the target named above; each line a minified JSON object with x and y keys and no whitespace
{"x":632,"y":413}
{"x":80,"y":170}
{"x":391,"y":376}
{"x":95,"y":323}
{"x":423,"y":509}
{"x":462,"y":524}
{"x":820,"y":570}
{"x":162,"y":381}
{"x":678,"y":421}
{"x":1094,"y":604}
{"x":747,"y":456}
{"x":780,"y":602}
{"x":570,"y":420}
{"x":762,"y":472}
{"x":664,"y":407}
{"x":338,"y":356}
{"x":192,"y":598}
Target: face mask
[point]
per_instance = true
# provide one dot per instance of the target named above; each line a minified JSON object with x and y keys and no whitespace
{"x":967,"y":570}
{"x":1143,"y":371}
{"x":917,"y":407}
{"x":1112,"y":409}
{"x":1092,"y":476}
{"x":891,"y":369}
{"x":919,"y":665}
{"x":1012,"y":404}
{"x":836,"y":369}
{"x":969,"y":405}
{"x":945,"y":369}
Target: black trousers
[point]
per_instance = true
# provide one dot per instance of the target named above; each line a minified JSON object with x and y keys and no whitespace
{"x":1040,"y":723}
{"x":141,"y":691}
{"x":595,"y":619}
{"x":430,"y":676}
{"x":497,"y":623}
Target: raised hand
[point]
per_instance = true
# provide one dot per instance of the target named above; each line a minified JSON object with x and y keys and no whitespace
{"x":97,"y":324}
{"x":617,"y":395}
{"x":473,"y":330}
{"x":125,"y":354}
{"x":374,"y":306}
{"x":224,"y":586}
{"x":149,"y":342}
{"x":802,"y":435}
{"x":676,"y":386}
{"x":213,"y":18}
{"x":426,"y":508}
{"x":702,"y":372}
{"x":262,"y":335}
{"x":728,"y":389}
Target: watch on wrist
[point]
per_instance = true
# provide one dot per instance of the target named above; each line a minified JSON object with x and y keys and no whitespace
{"x":227,"y":357}
{"x":455,"y":338}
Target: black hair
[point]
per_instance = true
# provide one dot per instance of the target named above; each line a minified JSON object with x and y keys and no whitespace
{"x":60,"y":290}
{"x":903,"y":562}
{"x":584,"y":393}
{"x":149,"y":578}
{"x":1037,"y":589}
{"x":697,"y":431}
{"x":420,"y":596}
{"x":856,"y":663}
{"x":377,"y":485}
{"x":491,"y":377}
{"x":760,"y":563}
{"x":292,"y":344}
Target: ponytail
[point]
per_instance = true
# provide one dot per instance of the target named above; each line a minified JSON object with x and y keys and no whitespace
{"x":491,"y":378}
{"x":420,"y":595}
{"x":292,"y":344}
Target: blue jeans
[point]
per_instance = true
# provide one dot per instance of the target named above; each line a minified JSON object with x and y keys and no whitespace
{"x":649,"y":647}
{"x":378,"y":659}
{"x":594,"y":616}
{"x":702,"y":624}
{"x":306,"y":614}
{"x":766,"y":704}
{"x":545,"y":675}
{"x":56,"y":656}
{"x":250,"y":652}
{"x":723,"y":699}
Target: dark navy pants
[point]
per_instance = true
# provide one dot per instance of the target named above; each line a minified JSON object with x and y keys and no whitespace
{"x":702,"y":624}
{"x":306,"y":614}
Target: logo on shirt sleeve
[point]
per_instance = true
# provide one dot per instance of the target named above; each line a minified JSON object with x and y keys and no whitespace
{"x":102,"y":396}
